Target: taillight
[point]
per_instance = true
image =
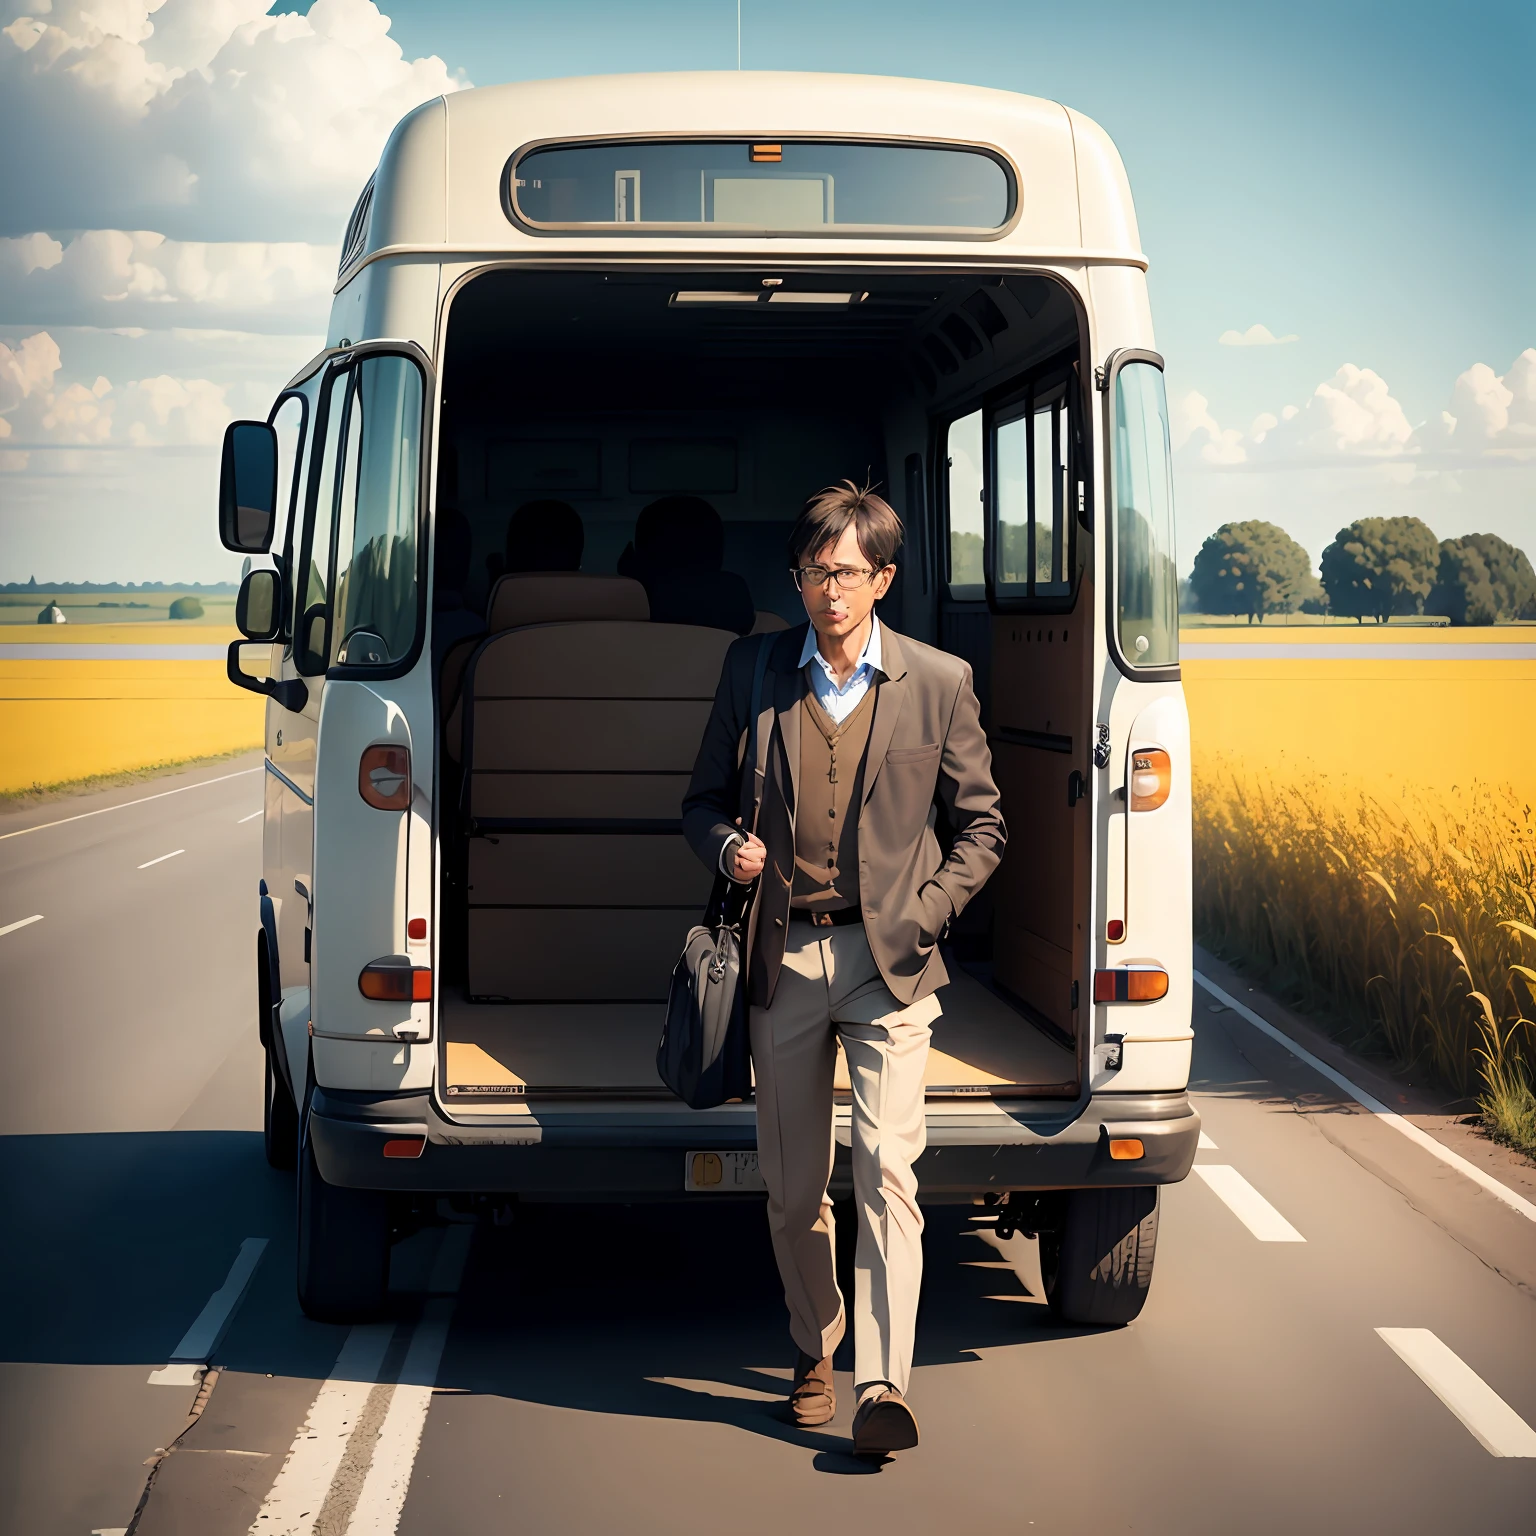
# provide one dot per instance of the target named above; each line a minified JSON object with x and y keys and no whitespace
{"x":384,"y":778}
{"x":1114,"y":930}
{"x":1130,"y":984}
{"x":1151,"y":778}
{"x":388,"y":981}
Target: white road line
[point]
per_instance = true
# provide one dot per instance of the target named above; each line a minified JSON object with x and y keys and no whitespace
{"x":251,"y":817}
{"x":382,"y":1497}
{"x":295,"y":1498}
{"x":25,"y":922}
{"x":199,"y":1341}
{"x":1205,"y":1144}
{"x":1248,"y":1205}
{"x":161,"y":860}
{"x":1493,"y":1423}
{"x":1404,"y":1127}
{"x":43,"y":826}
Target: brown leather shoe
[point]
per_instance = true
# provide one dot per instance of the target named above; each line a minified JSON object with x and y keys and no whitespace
{"x":812,"y":1401}
{"x":884,"y":1425}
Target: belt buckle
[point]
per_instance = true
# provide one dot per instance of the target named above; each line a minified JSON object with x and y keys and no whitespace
{"x":821,"y":919}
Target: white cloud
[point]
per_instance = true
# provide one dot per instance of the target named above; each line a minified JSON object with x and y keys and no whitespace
{"x":1254,"y":336}
{"x":38,"y":409}
{"x":1190,"y":414}
{"x":112,"y":276}
{"x":1354,"y":419}
{"x":200,"y":116}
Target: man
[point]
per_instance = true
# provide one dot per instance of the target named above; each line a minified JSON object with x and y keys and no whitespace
{"x":863,"y":733}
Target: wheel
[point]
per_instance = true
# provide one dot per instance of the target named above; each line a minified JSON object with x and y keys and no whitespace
{"x":280,"y":1119}
{"x":343,"y":1246}
{"x":1097,"y":1266}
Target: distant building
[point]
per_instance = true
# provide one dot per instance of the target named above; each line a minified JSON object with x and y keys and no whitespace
{"x":52,"y":614}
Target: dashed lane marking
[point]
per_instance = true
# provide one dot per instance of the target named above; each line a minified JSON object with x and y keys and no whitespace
{"x":25,"y":922}
{"x":382,"y":1497}
{"x":1492,"y":1422}
{"x":1247,"y":1204}
{"x":1404,"y":1127}
{"x":1205,"y":1144}
{"x":294,"y":1501}
{"x":123,"y":805}
{"x":188,"y":1359}
{"x":358,"y":1488}
{"x":252,"y":817}
{"x":149,"y":864}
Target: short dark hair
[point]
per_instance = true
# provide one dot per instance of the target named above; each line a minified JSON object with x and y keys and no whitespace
{"x":829,"y":512}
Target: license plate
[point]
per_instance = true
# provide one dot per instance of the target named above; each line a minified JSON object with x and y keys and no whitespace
{"x":722,"y":1173}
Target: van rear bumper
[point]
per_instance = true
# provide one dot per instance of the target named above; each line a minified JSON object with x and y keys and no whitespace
{"x":967,"y":1155}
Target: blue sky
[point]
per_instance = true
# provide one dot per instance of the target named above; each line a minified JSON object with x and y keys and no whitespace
{"x":1356,"y":176}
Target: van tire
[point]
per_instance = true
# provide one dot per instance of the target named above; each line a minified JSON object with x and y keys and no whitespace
{"x":1097,"y":1266}
{"x":280,"y":1119}
{"x":343,"y":1247}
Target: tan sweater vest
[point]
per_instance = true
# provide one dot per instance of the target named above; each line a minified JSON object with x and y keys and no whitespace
{"x":831,"y":776}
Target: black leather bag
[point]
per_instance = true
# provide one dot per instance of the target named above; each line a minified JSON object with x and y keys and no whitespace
{"x":704,"y":1056}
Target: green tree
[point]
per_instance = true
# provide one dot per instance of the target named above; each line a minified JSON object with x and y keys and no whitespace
{"x":1483,"y":579}
{"x":1254,"y":568}
{"x":186,"y":608}
{"x":1380,"y":566}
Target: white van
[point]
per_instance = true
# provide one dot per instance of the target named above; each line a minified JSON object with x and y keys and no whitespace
{"x":735,"y":288}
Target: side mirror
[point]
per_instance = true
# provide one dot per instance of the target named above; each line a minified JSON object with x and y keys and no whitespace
{"x":292,"y":692}
{"x":248,"y":487}
{"x":259,"y":606}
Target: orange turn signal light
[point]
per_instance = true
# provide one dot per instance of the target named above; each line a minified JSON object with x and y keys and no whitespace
{"x":384,"y":778}
{"x":1130,"y":984}
{"x":1151,"y":778}
{"x":767,"y":154}
{"x":414,"y":1146}
{"x":1123,"y":1150}
{"x":388,"y":981}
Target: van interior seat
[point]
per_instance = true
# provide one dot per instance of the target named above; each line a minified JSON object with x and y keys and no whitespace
{"x":536,"y":597}
{"x":579,"y":741}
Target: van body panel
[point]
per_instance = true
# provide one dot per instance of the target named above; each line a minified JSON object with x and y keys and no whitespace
{"x":360,"y":869}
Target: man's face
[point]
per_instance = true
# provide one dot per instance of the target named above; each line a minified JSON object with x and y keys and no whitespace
{"x":832,"y":611}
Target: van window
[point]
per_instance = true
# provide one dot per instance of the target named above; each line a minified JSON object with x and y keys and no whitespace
{"x":1036,"y":489}
{"x":784,"y":185}
{"x":966,"y":575}
{"x":288,"y":422}
{"x":311,"y":625}
{"x":1146,"y":579}
{"x":374,"y":607}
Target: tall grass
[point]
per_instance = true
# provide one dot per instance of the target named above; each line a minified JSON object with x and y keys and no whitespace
{"x":1408,"y":916}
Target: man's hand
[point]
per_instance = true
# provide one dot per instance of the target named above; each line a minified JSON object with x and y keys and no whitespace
{"x":749,"y":860}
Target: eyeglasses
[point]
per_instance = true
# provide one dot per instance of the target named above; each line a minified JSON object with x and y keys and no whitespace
{"x":848,"y":578}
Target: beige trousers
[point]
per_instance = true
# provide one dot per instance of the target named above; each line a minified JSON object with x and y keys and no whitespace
{"x":830,"y":990}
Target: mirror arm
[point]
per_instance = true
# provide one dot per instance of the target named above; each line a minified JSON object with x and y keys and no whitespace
{"x":292,"y":693}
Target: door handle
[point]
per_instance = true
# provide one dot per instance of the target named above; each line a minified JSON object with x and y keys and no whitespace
{"x":1077,"y":786}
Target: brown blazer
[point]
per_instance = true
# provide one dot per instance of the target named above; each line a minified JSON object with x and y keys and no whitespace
{"x":926,"y":750}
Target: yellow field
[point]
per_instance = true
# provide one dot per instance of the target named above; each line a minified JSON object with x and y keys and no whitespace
{"x":65,"y":720}
{"x":1432,"y":724}
{"x":1365,"y":837}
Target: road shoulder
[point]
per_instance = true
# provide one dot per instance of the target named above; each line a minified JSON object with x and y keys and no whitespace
{"x":1501,"y":1237}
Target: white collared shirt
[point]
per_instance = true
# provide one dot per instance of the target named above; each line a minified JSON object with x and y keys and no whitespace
{"x":841,"y":701}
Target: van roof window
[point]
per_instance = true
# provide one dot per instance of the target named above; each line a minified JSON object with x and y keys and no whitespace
{"x":806,"y":185}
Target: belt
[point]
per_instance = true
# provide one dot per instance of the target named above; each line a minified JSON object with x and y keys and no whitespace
{"x":841,"y":918}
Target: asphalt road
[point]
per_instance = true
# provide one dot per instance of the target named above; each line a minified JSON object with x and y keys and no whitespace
{"x":585,"y":1370}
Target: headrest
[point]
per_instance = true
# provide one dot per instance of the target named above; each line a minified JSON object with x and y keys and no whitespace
{"x":554,"y":597}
